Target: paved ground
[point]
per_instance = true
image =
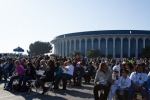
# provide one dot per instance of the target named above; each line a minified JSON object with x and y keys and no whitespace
{"x":73,"y":93}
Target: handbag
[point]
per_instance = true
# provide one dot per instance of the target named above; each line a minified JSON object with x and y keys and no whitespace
{"x":15,"y":86}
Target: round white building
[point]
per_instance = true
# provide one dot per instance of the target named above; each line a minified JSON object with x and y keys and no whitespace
{"x":113,"y":43}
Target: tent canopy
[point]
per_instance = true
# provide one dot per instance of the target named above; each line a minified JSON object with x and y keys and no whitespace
{"x":18,"y":49}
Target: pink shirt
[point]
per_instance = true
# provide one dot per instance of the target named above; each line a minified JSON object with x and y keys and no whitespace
{"x":20,"y":70}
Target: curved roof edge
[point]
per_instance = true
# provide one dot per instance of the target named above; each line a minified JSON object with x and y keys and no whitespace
{"x":103,"y":32}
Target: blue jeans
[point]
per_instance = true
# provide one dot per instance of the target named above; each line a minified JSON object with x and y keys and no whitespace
{"x":5,"y":74}
{"x":12,"y":79}
{"x":132,"y":91}
{"x":24,"y":79}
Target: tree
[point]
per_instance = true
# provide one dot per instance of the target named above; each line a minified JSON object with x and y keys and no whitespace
{"x":70,"y":54}
{"x":54,"y":55}
{"x":93,"y":53}
{"x":146,"y":52}
{"x":76,"y":52}
{"x":39,"y":47}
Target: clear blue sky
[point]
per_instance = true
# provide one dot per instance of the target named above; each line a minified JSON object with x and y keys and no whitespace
{"x":25,"y":21}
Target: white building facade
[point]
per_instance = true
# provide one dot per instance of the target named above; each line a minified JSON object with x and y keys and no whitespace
{"x":113,"y":43}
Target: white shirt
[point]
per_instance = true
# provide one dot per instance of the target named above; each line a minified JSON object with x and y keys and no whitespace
{"x":70,"y":70}
{"x":124,"y":82}
{"x":138,"y":77}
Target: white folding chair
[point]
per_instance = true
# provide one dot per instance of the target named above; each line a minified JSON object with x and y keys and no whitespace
{"x":49,"y":84}
{"x":32,"y":85}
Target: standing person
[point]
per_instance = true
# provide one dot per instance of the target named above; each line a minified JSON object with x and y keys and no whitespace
{"x":102,"y":82}
{"x":19,"y":71}
{"x":138,"y":84}
{"x":66,"y":75}
{"x":123,"y":85}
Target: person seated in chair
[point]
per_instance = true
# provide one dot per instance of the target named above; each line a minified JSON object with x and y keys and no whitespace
{"x":89,"y":72}
{"x":29,"y":74}
{"x":80,"y":72}
{"x":102,"y":82}
{"x":58,"y":69}
{"x":48,"y":76}
{"x":8,"y":68}
{"x":42,"y":67}
{"x":19,"y":71}
{"x":115,"y":79}
{"x":66,"y":75}
{"x":138,"y":83}
{"x":123,"y":86}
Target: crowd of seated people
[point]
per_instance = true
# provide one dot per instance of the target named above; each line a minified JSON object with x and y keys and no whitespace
{"x":122,"y":81}
{"x":119,"y":79}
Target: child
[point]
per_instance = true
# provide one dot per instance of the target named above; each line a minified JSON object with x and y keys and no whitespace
{"x":123,"y":84}
{"x":114,"y":85}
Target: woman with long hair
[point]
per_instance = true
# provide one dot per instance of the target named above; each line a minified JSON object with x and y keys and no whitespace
{"x":48,"y":76}
{"x":102,"y":81}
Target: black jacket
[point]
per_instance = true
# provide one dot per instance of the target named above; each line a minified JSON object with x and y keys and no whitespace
{"x":80,"y":70}
{"x":90,"y":70}
{"x":30,"y":72}
{"x":49,"y":73}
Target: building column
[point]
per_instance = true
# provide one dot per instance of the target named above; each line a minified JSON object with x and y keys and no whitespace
{"x":136,"y":50}
{"x":57,"y":49}
{"x":106,"y":48}
{"x":74,"y":45}
{"x":121,"y":55}
{"x":85,"y":46}
{"x":114,"y":45}
{"x":70,"y":46}
{"x":143,"y":43}
{"x":60,"y":53}
{"x":129,"y":47}
{"x":99,"y":43}
{"x":92,"y":43}
{"x":80,"y":45}
{"x":62,"y":48}
{"x":66,"y":52}
{"x":54,"y":48}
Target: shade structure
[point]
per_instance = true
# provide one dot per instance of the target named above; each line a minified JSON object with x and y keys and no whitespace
{"x":18,"y":49}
